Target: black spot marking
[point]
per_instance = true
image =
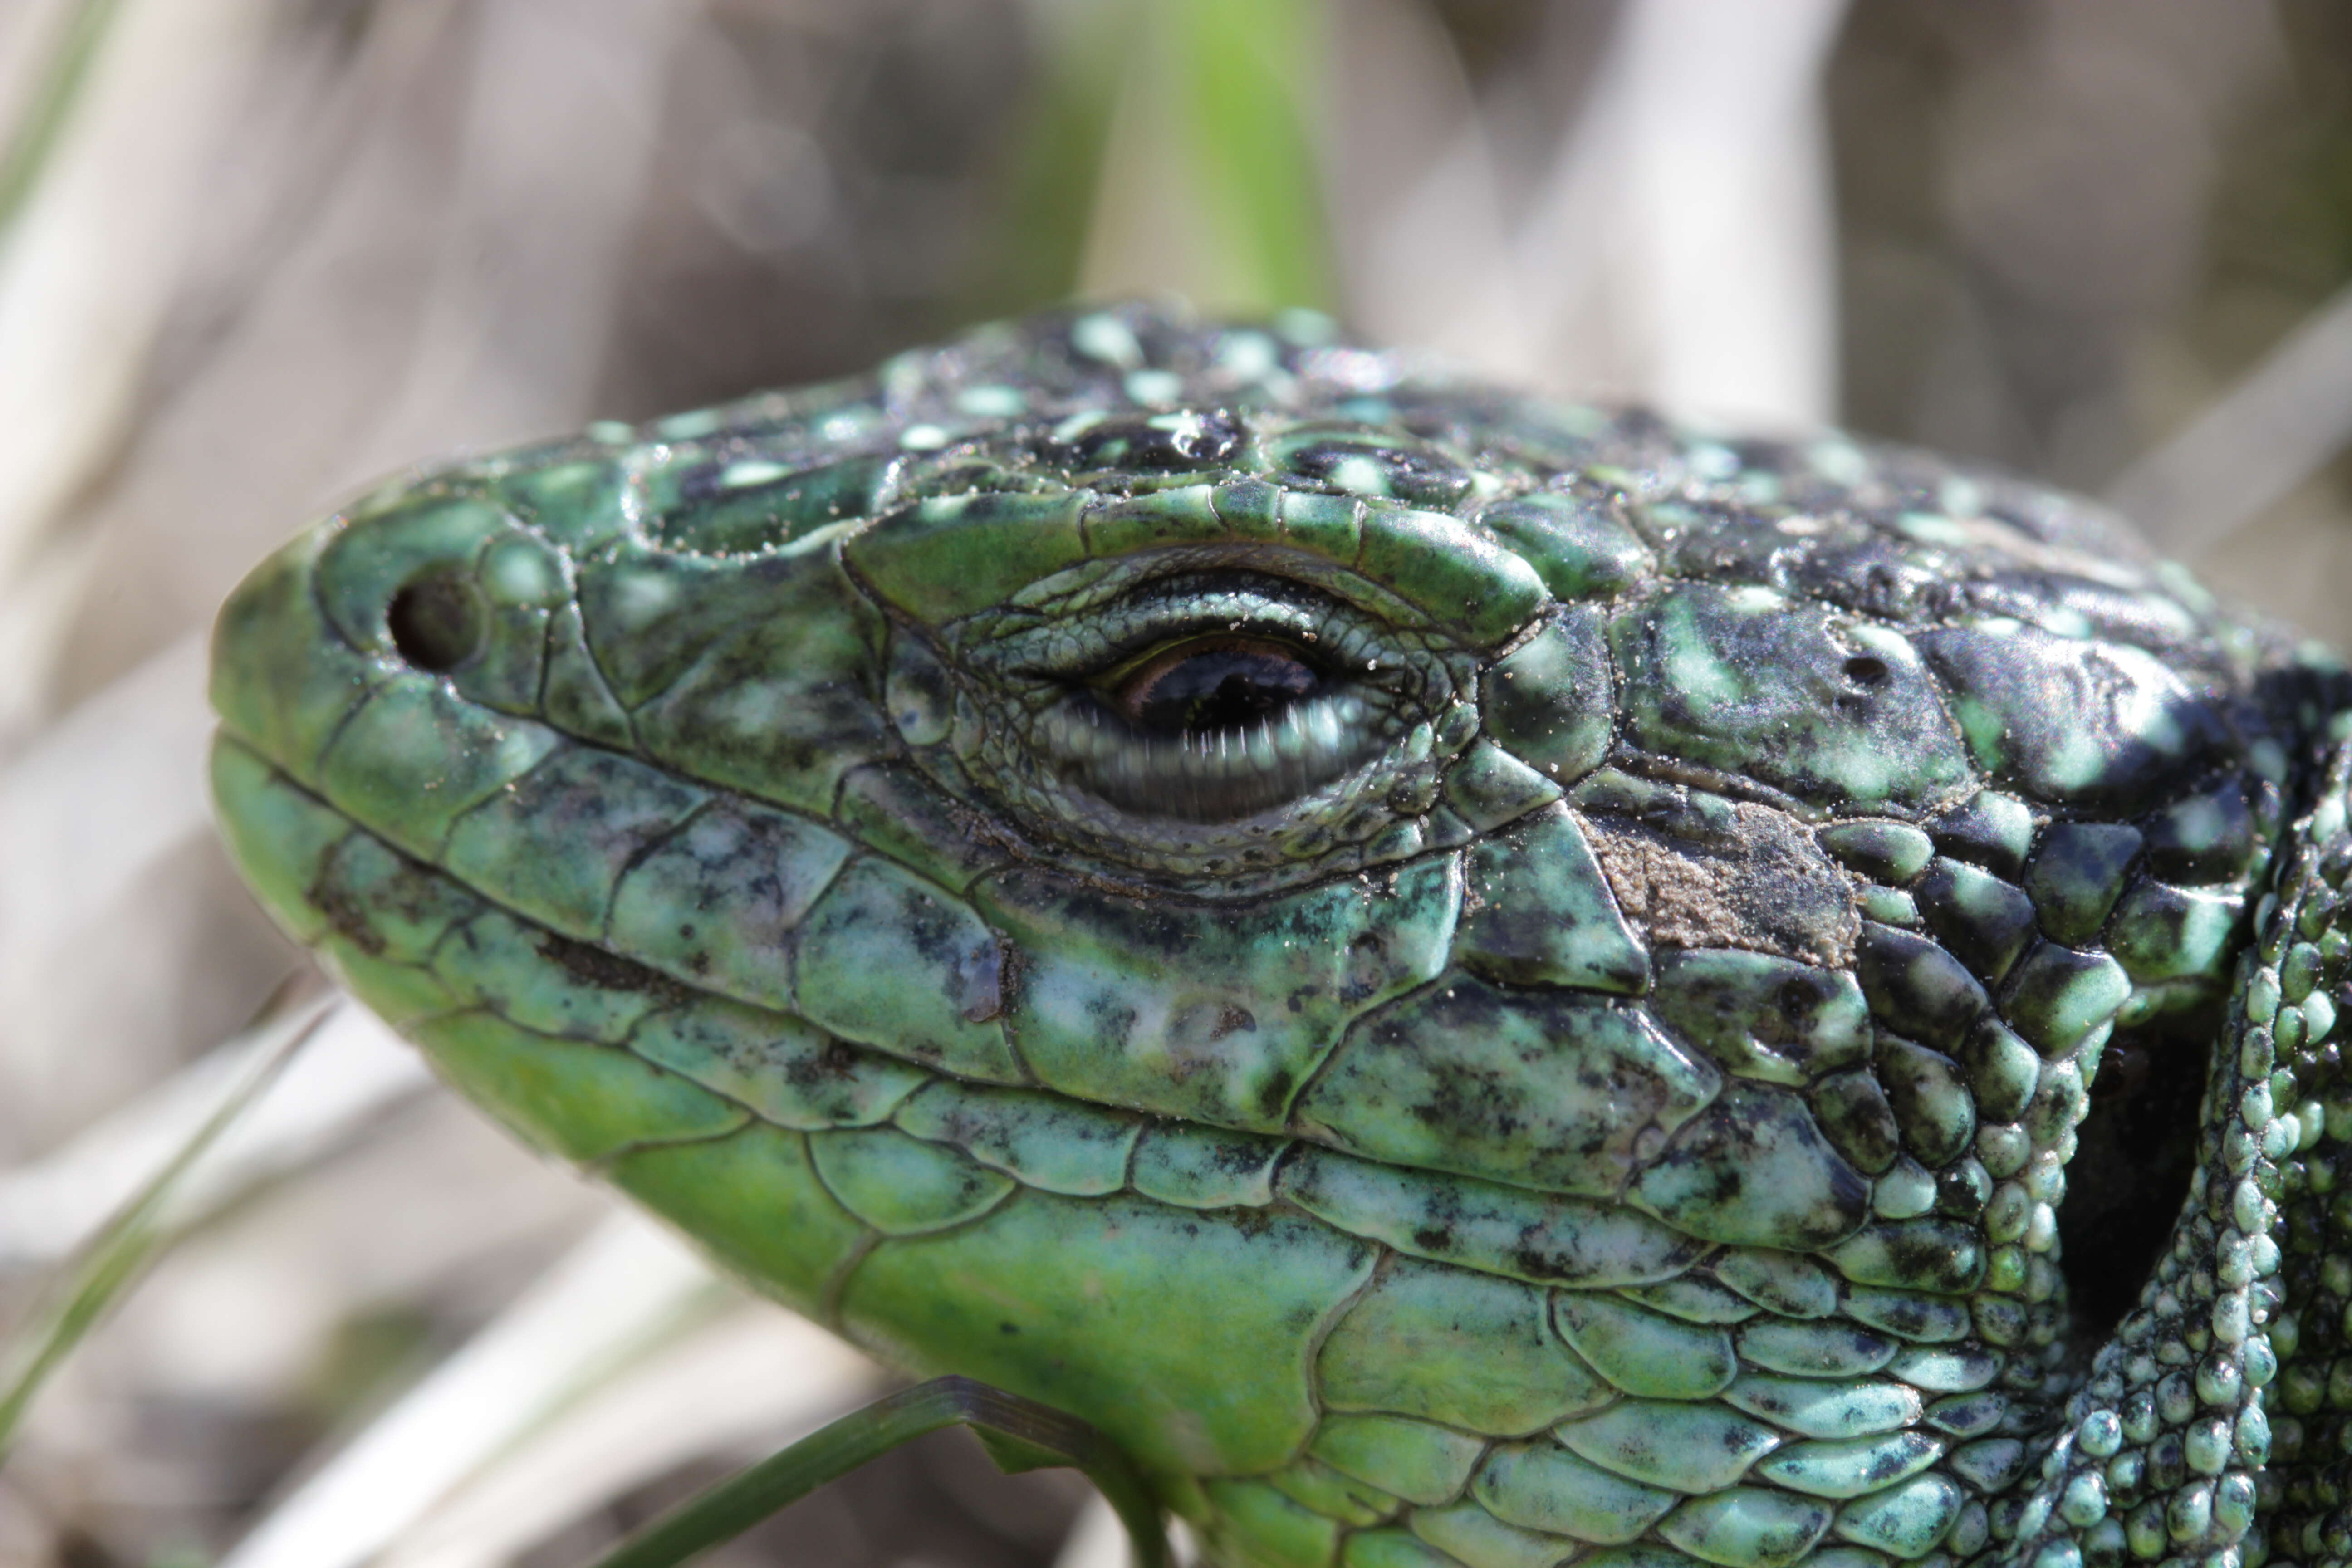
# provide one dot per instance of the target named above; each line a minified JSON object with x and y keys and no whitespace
{"x":1167,"y":442}
{"x":1416,"y":475}
{"x":1275,"y":1094}
{"x":345,"y":915}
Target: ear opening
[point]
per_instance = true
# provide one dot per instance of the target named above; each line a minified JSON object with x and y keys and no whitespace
{"x":2137,"y":1149}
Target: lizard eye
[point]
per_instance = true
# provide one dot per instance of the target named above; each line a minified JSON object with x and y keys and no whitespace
{"x":1199,"y":717}
{"x":1215,"y":728}
{"x":1216,"y":684}
{"x":1209,"y":699}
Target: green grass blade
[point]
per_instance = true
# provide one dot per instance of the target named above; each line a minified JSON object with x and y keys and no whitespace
{"x":1028,"y":1434}
{"x":1045,"y":203}
{"x":1248,"y":79}
{"x":96,"y":1281}
{"x":106,"y":1267}
{"x":49,"y":104}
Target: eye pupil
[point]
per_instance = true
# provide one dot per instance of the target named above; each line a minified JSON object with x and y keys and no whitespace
{"x":1204,"y":689}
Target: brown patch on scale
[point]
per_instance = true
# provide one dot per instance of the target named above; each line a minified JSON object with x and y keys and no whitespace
{"x":838,"y":1061}
{"x":414,"y":894}
{"x":1766,"y":887}
{"x":345,"y":915}
{"x":591,"y":965}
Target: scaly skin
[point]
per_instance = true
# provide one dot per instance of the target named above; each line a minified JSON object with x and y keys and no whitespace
{"x":1474,"y":981}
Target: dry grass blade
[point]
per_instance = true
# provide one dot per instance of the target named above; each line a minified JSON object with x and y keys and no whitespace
{"x":113,"y":1259}
{"x":2245,"y":452}
{"x":351,"y":1068}
{"x":87,"y":277}
{"x":1700,"y":143}
{"x":626,"y":1288}
{"x":1097,"y":1539}
{"x":1418,"y":194}
{"x":115,"y":971}
{"x":53,"y":97}
{"x":743,"y":1384}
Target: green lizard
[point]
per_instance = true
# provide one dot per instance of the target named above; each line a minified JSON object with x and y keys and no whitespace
{"x":1473,"y":981}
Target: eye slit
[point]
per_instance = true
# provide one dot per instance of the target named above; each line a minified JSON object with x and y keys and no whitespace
{"x":437,"y":621}
{"x":1222,"y":684}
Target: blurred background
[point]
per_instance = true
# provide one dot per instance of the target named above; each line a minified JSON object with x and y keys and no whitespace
{"x":255,"y":254}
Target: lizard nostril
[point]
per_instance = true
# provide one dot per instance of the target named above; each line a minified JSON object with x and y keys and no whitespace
{"x":437,"y":621}
{"x":1864,"y":670}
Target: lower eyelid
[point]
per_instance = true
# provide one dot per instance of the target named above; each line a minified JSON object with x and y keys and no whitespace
{"x":1215,"y":776}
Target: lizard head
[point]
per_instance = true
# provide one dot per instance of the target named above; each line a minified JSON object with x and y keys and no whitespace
{"x":1457,"y":971}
